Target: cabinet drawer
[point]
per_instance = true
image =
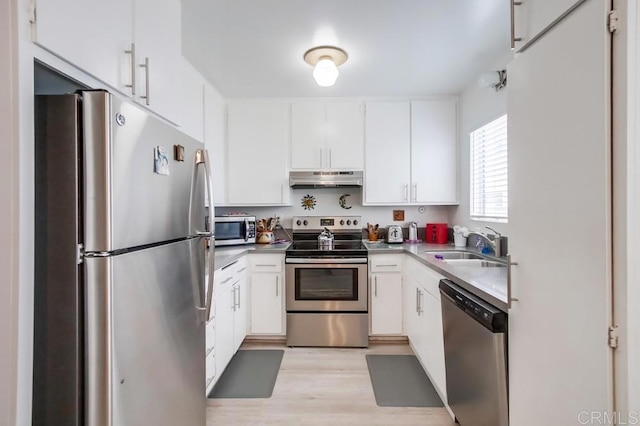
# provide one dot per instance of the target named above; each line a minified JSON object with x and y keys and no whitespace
{"x":210,"y":337}
{"x":239,"y":267}
{"x":266,"y":262}
{"x":385,"y":263}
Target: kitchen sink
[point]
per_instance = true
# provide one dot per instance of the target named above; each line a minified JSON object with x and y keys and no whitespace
{"x":483,"y":263}
{"x":457,"y":255}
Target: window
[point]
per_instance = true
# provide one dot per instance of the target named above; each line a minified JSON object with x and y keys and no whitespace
{"x":489,"y":189}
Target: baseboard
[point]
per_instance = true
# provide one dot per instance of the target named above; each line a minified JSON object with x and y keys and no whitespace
{"x":389,"y":339}
{"x":265,"y":339}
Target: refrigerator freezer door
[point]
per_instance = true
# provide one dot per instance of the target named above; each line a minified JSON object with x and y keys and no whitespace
{"x":146,"y":339}
{"x":128,"y":201}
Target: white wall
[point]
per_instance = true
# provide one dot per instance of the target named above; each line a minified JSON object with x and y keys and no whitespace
{"x":8,"y":214}
{"x":327,"y":204}
{"x":477,"y":107}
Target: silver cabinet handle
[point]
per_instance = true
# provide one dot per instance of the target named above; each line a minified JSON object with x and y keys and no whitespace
{"x":421,"y":299}
{"x":146,"y":85}
{"x":227,"y":280}
{"x":233,"y":299}
{"x":415,"y":192}
{"x":514,"y":39}
{"x":509,"y":298}
{"x":243,"y":269}
{"x":375,"y":286}
{"x":406,"y":192}
{"x":239,"y":289}
{"x":282,"y":193}
{"x":417,"y":300}
{"x":385,"y":266}
{"x":277,"y":286}
{"x":266,"y":265}
{"x":132,"y":52}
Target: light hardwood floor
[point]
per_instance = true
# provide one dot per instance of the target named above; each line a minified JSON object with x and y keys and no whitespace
{"x":322,"y":386}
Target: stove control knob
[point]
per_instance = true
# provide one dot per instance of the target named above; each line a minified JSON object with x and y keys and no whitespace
{"x":298,"y":222}
{"x":348,"y":222}
{"x":355,"y":222}
{"x":305,"y":223}
{"x":342,"y":222}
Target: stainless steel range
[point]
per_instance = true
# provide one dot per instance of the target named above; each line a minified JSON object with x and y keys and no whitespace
{"x":326,"y":284}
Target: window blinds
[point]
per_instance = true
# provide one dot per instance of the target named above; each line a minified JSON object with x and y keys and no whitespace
{"x":489,"y":186}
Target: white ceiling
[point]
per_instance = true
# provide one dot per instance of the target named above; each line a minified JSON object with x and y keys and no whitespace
{"x":254,"y":48}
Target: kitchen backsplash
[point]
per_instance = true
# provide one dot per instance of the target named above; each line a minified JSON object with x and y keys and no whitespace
{"x":328,"y":201}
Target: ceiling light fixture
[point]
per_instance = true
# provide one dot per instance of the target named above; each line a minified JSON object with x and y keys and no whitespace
{"x":495,"y":79}
{"x":325,"y":60}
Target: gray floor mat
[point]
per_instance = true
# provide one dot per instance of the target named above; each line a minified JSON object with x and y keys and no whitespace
{"x":400,"y":381}
{"x":250,"y":374}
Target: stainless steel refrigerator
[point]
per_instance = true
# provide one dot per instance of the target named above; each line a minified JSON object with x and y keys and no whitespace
{"x":120,"y":300}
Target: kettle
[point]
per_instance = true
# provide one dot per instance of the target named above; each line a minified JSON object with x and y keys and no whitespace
{"x":325,"y":240}
{"x":413,"y":231}
{"x":394,"y":234}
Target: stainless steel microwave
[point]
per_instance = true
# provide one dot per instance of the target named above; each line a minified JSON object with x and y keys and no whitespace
{"x":234,"y":230}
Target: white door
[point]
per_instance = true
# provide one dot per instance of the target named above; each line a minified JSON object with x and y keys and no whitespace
{"x":308,"y":136}
{"x":93,"y":35}
{"x":387,"y":153}
{"x":386,"y":303}
{"x":267,"y":306}
{"x":559,"y":222}
{"x":345,"y":135}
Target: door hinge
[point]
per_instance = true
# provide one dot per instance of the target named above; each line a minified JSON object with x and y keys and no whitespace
{"x":80,"y":254}
{"x":612,"y":21}
{"x":613,"y":336}
{"x":32,"y":12}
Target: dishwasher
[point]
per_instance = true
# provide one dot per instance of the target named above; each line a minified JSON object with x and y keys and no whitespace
{"x":475,"y":351}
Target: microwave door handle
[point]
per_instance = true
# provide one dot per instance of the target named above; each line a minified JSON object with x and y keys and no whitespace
{"x":246,"y":229}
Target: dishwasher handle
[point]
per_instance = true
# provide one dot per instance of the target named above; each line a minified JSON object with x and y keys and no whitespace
{"x":487,"y":315}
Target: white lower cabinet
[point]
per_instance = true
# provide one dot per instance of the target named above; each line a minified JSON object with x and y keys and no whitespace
{"x":385,"y":290}
{"x":423,"y":320}
{"x":267,"y":294}
{"x":230,"y":287}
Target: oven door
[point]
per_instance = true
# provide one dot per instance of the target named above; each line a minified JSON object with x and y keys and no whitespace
{"x":326,"y":285}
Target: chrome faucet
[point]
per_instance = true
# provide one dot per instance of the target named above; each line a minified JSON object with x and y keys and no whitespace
{"x":493,"y":244}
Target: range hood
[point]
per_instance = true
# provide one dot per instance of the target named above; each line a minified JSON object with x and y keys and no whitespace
{"x":325,"y":179}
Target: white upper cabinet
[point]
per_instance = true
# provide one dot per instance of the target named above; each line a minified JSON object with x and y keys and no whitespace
{"x":93,"y":35}
{"x":434,"y":155}
{"x":257,"y":153}
{"x":157,"y":35}
{"x":327,"y":135}
{"x":387,"y":153}
{"x":214,"y":128}
{"x":133,"y":46}
{"x":532,"y":16}
{"x":411,"y":152}
{"x":190,"y":101}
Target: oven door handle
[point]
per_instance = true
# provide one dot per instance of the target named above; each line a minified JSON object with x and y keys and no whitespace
{"x":298,"y":260}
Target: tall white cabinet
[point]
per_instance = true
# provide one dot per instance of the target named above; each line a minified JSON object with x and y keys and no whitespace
{"x":559,"y":180}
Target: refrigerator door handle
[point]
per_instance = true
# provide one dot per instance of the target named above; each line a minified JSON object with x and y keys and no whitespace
{"x":202,"y":158}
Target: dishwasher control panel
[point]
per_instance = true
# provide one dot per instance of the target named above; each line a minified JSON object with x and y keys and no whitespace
{"x":483,"y":312}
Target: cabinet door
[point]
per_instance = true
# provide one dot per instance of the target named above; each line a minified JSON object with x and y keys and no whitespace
{"x":223,"y":297}
{"x":157,"y":33}
{"x":345,"y":135}
{"x":190,"y":103}
{"x":308,"y":136}
{"x":241,"y":311}
{"x":434,"y":160}
{"x":387,"y":153}
{"x":433,"y":346}
{"x":412,"y":324}
{"x":267,"y":303}
{"x":214,"y":129}
{"x":386,"y":303}
{"x":533,"y":16}
{"x":91,"y":34}
{"x":258,"y":136}
{"x":555,"y":118}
